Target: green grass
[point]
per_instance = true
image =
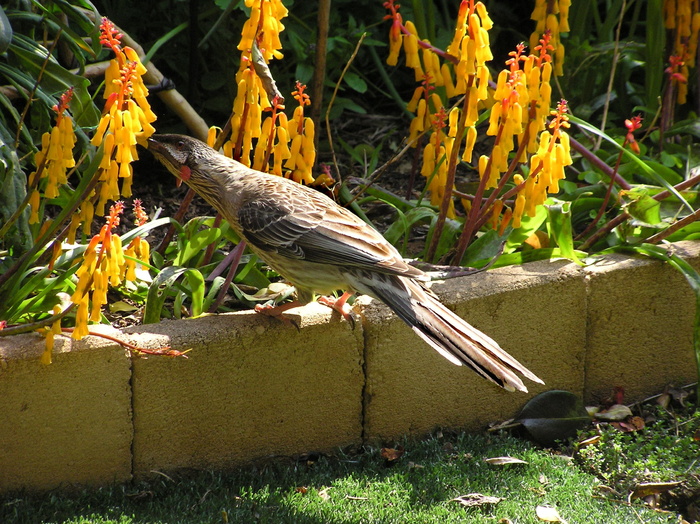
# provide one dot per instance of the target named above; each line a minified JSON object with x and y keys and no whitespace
{"x":352,"y":488}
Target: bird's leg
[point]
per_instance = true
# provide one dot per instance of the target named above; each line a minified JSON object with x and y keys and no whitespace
{"x":340,"y":305}
{"x":272,"y":310}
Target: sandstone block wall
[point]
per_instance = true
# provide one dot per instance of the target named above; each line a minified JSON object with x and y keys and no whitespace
{"x":254,"y":387}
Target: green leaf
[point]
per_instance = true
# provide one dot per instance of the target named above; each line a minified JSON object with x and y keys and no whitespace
{"x":485,"y":247}
{"x":56,"y":80}
{"x":5,"y":32}
{"x":158,"y":292}
{"x":169,"y":36}
{"x":649,"y":171}
{"x":196,"y":286}
{"x":686,"y":127}
{"x":645,"y":209}
{"x":355,"y":81}
{"x":553,"y":415}
{"x":522,"y":257}
{"x":197,"y":244}
{"x":400,"y":228}
{"x":528,"y":225}
{"x":560,"y":230}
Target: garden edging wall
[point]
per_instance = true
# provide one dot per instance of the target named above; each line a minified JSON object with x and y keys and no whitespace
{"x":254,"y":387}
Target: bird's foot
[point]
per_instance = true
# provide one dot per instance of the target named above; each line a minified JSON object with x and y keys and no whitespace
{"x":340,"y":305}
{"x":272,"y":310}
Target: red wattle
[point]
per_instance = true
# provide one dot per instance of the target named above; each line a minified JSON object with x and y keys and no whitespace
{"x":185,"y":173}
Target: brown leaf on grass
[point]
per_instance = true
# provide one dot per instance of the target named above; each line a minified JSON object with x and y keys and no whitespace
{"x":476,"y":499}
{"x":301,"y":489}
{"x":502,"y":461}
{"x":392,"y":454}
{"x":548,"y":514}
{"x":696,"y":435}
{"x":645,"y":489}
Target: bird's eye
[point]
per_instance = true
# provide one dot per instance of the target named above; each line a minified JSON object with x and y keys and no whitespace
{"x":181,"y":145}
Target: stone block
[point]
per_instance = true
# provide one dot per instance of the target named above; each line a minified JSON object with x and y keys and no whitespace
{"x":67,"y":423}
{"x":252,"y":387}
{"x":640,"y":325}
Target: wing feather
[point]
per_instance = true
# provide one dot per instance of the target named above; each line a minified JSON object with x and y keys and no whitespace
{"x":302,"y":224}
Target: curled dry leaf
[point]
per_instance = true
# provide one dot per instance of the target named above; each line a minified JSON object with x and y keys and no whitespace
{"x":502,"y":461}
{"x":476,"y":499}
{"x":548,"y":514}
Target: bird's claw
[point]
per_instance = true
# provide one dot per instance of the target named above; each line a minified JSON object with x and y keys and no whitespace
{"x":275,"y":311}
{"x":340,"y":305}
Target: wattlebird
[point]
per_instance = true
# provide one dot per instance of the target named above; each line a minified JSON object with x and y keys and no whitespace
{"x":320,"y":247}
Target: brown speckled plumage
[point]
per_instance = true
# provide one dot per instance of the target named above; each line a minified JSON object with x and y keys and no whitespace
{"x":321,"y":247}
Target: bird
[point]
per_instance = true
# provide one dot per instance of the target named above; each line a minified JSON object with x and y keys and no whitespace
{"x":321,"y":247}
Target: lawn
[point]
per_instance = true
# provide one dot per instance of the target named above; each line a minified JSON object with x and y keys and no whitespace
{"x":384,"y":485}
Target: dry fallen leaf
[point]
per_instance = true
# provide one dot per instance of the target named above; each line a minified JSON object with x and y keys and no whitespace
{"x":595,"y":439}
{"x":301,"y":489}
{"x":392,"y":454}
{"x":502,"y":461}
{"x":476,"y":499}
{"x":645,"y":489}
{"x":324,"y":493}
{"x":615,"y":413}
{"x":630,"y":425}
{"x":548,"y":514}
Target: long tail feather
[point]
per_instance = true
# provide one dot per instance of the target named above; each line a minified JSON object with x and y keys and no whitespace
{"x":444,"y":331}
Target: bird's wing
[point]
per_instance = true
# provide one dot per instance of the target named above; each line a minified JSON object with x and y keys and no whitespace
{"x":302,"y":224}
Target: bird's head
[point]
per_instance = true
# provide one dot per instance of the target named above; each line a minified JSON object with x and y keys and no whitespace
{"x":182,"y":155}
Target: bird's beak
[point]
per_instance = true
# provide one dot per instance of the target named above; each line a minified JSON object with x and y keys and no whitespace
{"x":155,"y":147}
{"x":165,"y":157}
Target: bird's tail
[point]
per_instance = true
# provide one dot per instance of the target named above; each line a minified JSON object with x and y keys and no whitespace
{"x":447,"y":333}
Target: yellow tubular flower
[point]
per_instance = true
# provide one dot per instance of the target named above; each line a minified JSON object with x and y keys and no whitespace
{"x":469,"y":145}
{"x":81,"y":319}
{"x":126,"y":120}
{"x":465,"y":72}
{"x":551,"y":16}
{"x":34,"y":201}
{"x":103,"y":265}
{"x":410,"y":45}
{"x":496,"y":213}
